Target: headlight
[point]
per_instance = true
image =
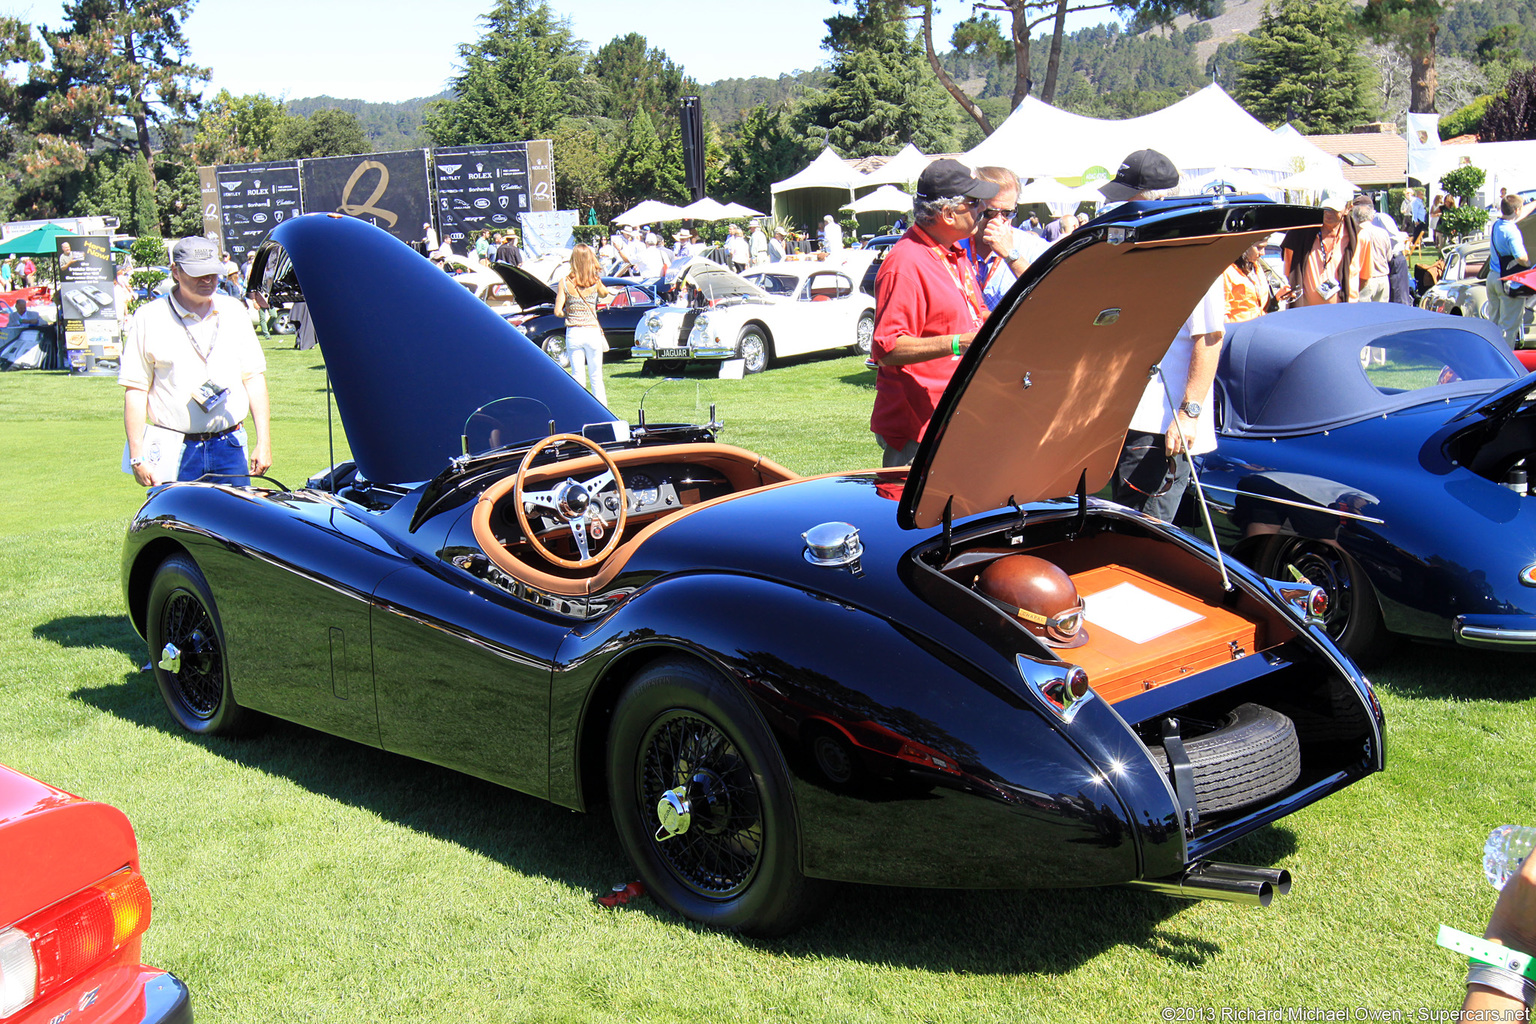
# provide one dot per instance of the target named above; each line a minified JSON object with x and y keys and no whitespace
{"x":699,"y":336}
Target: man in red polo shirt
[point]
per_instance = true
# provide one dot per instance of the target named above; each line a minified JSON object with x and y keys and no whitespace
{"x":927,"y":307}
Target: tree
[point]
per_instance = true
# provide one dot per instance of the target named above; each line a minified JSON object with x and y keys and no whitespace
{"x":515,"y":82}
{"x":1303,"y":66}
{"x":323,"y":133}
{"x":765,"y":149}
{"x":117,"y":60}
{"x":1512,"y":116}
{"x":1411,"y":26}
{"x":879,"y":97}
{"x":630,"y":75}
{"x":642,"y":169}
{"x":239,"y":129}
{"x":1466,"y":217}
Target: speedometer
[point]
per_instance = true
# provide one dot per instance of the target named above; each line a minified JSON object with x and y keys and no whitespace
{"x":643,"y":491}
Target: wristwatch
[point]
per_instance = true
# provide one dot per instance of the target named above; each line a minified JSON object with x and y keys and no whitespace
{"x":1191,"y":409}
{"x":137,"y":461}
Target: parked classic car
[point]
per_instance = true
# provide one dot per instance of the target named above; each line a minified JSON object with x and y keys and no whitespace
{"x":1461,"y":290}
{"x":617,"y":315}
{"x":1382,"y":451}
{"x":73,"y":912}
{"x":775,"y":682}
{"x":774,"y":310}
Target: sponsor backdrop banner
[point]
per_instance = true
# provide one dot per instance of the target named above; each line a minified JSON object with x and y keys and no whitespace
{"x":253,"y":199}
{"x":208,"y":192}
{"x":480,"y":187}
{"x":87,"y":308}
{"x":388,"y":190}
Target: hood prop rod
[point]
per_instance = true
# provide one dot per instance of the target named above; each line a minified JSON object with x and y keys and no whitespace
{"x":1194,"y":477}
{"x":949,"y":524}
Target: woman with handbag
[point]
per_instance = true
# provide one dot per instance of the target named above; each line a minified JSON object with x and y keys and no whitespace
{"x":576,"y":300}
{"x":1507,"y":255}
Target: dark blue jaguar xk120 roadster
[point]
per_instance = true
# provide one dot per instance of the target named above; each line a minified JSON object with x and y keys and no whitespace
{"x":966,"y":674}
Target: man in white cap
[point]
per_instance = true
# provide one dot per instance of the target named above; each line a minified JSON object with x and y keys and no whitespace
{"x":191,"y":371}
{"x":831,"y":235}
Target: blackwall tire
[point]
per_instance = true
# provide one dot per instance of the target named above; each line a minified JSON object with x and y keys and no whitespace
{"x":680,"y":724}
{"x":1251,"y":756}
{"x":194,"y":679}
{"x":1354,"y":616}
{"x":754,"y":349}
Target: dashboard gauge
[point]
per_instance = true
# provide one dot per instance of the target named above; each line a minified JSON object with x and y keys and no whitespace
{"x":643,"y":491}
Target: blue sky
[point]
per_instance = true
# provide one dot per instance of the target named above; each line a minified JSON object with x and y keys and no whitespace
{"x":389,"y":50}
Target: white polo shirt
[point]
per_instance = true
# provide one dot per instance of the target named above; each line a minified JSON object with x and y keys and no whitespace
{"x":170,"y":351}
{"x":1154,"y":415}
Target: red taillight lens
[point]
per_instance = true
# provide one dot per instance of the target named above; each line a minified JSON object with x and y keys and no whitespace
{"x":1318,"y":603}
{"x":70,"y":937}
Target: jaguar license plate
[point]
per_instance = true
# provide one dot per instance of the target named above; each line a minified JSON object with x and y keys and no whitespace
{"x":671,"y":353}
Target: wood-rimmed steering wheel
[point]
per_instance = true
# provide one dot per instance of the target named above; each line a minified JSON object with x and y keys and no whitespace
{"x":574,"y":503}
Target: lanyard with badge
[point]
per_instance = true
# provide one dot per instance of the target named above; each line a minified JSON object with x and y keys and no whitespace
{"x":208,"y":395}
{"x":965,"y":282}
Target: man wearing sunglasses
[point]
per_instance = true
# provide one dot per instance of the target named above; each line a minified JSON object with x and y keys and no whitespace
{"x":1000,"y":252}
{"x":928,"y":307}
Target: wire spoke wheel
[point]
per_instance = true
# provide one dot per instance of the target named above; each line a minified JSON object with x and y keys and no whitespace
{"x":199,"y":682}
{"x":719,"y":855}
{"x":187,"y":651}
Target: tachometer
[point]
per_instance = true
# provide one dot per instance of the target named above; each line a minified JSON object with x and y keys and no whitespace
{"x":643,"y":491}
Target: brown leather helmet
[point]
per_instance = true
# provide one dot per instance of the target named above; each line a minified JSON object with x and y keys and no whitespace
{"x":1040,"y":595}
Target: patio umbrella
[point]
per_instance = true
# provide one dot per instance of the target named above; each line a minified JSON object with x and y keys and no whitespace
{"x":885,"y":198}
{"x":737,"y":210}
{"x":648,"y":212}
{"x":36,"y":243}
{"x":707,"y":209}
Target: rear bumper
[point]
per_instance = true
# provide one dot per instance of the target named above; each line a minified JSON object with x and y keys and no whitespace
{"x":1496,"y":632}
{"x":123,"y":994}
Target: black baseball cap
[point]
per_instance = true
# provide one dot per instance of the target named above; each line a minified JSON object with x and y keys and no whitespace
{"x":1145,"y":170}
{"x":950,"y":179}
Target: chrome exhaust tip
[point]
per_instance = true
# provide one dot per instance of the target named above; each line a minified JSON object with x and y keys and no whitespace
{"x":1231,"y":883}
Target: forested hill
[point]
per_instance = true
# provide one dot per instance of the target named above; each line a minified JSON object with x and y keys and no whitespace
{"x":1106,"y":70}
{"x":388,"y":126}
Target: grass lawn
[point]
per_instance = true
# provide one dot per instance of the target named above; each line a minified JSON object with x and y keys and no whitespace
{"x":302,"y":878}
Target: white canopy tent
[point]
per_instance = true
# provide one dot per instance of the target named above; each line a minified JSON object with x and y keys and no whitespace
{"x":901,"y":169}
{"x":1199,"y":133}
{"x":1227,"y":179}
{"x":886,"y":198}
{"x":649,"y":212}
{"x":822,"y":187}
{"x":1511,"y":165}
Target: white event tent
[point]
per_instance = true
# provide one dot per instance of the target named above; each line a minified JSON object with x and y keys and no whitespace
{"x":901,"y":169}
{"x":1200,"y":134}
{"x":822,"y":187}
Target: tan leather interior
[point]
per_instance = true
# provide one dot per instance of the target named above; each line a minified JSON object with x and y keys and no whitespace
{"x":746,"y":471}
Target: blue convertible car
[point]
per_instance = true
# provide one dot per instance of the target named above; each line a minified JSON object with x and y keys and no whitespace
{"x":1382,"y":452}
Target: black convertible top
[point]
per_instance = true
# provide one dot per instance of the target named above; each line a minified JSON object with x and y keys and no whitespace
{"x":1301,"y":370}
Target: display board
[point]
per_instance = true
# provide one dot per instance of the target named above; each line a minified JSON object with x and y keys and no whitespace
{"x":253,"y":199}
{"x":480,"y":187}
{"x":388,"y":190}
{"x":87,"y":307}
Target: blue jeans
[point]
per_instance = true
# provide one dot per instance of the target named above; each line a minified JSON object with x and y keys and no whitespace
{"x":224,"y":457}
